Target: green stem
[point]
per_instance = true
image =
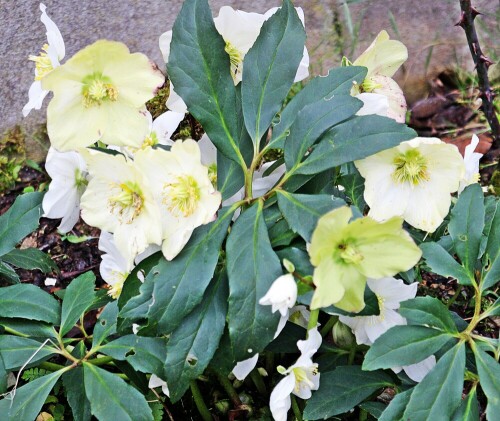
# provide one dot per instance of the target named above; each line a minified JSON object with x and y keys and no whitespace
{"x":258,"y":381}
{"x":363,"y":415}
{"x":15,"y":332}
{"x":477,"y":311}
{"x":51,"y":366}
{"x":200,"y":403}
{"x":329,"y":324}
{"x":296,"y":409}
{"x":100,"y":361}
{"x":228,"y":387}
{"x":313,"y":319}
{"x":352,"y":354}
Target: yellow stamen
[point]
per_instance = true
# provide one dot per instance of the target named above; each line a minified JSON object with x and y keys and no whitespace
{"x":128,"y":203}
{"x":411,"y":167}
{"x":182,"y":196}
{"x":43,"y":65}
{"x":97,"y":89}
{"x":235,"y":57}
{"x":349,"y":254}
{"x":116,"y":288}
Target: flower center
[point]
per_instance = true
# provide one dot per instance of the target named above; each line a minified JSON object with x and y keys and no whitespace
{"x":235,"y":57}
{"x":98,"y":88}
{"x":411,"y":167}
{"x":43,"y":65}
{"x":182,"y":196}
{"x":116,"y":288}
{"x":128,"y":203}
{"x":349,"y":254}
{"x":301,"y":378}
{"x":80,"y":179}
{"x":381,"y":306}
{"x":150,"y":141}
{"x":212,"y":174}
{"x":369,"y":85}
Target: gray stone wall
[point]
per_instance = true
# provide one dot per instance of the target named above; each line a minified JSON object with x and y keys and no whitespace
{"x":138,"y":23}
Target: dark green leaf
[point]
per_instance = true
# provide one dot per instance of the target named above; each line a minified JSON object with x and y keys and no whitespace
{"x":280,"y":234}
{"x":489,"y":376}
{"x":339,"y":81}
{"x":30,"y":259}
{"x":106,"y":324}
{"x":299,"y":258}
{"x":3,"y":376}
{"x":112,"y":399}
{"x":26,"y":301}
{"x":342,"y":389}
{"x":302,"y":211}
{"x":252,"y":267}
{"x":230,"y":177}
{"x":404,"y":345}
{"x":78,"y":298}
{"x":28,"y":399}
{"x":144,"y":354}
{"x":17,"y":351}
{"x":354,"y":186}
{"x":286,"y":342}
{"x":179,"y":285}
{"x":493,"y":310}
{"x":7,"y":273}
{"x":396,"y":409}
{"x":442,"y":263}
{"x":196,"y":67}
{"x":468,"y":409}
{"x":355,"y":139}
{"x":439,"y":394}
{"x":22,"y":327}
{"x":428,"y":311}
{"x":223,"y":361}
{"x":375,"y":409}
{"x":492,"y":274}
{"x":20,"y":220}
{"x":466,"y":225}
{"x":192,"y":345}
{"x":80,"y":406}
{"x":312,"y":121}
{"x":270,"y":67}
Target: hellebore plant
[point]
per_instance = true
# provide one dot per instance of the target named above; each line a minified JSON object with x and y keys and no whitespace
{"x":237,"y":254}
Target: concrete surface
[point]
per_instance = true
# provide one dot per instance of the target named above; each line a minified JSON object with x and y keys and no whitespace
{"x":138,"y":23}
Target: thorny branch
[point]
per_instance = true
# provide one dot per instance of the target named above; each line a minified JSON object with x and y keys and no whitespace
{"x":482,"y":64}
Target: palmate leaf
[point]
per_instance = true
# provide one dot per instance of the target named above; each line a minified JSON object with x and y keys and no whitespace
{"x":338,"y":82}
{"x":270,"y":67}
{"x":111,"y":398}
{"x":20,"y":220}
{"x":252,"y":266}
{"x":30,"y":259}
{"x":439,"y":394}
{"x":342,"y":389}
{"x":197,"y":68}
{"x":179,"y":285}
{"x":302,"y":211}
{"x":404,"y":345}
{"x":27,"y":301}
{"x":192,"y":345}
{"x":466,"y":226}
{"x":78,"y":298}
{"x":357,"y":138}
{"x":28,"y":399}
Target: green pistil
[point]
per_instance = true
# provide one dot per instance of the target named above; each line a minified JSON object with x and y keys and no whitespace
{"x":369,"y":85}
{"x":411,"y":167}
{"x":80,"y":179}
{"x":128,"y":202}
{"x":349,"y":254}
{"x":97,"y":89}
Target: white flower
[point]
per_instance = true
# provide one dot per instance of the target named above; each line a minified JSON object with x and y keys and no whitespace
{"x":382,"y":59}
{"x":242,"y":369}
{"x":155,"y":382}
{"x":118,"y":200}
{"x":114,"y":268}
{"x":301,"y":378}
{"x":413,"y":180}
{"x":417,"y":371}
{"x":68,"y":171}
{"x":240,"y":31}
{"x":48,"y":59}
{"x":471,"y":161}
{"x":281,"y":296}
{"x":182,"y":190}
{"x":390,"y":292}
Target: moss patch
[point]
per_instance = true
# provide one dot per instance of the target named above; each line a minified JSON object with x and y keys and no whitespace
{"x":12,"y":157}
